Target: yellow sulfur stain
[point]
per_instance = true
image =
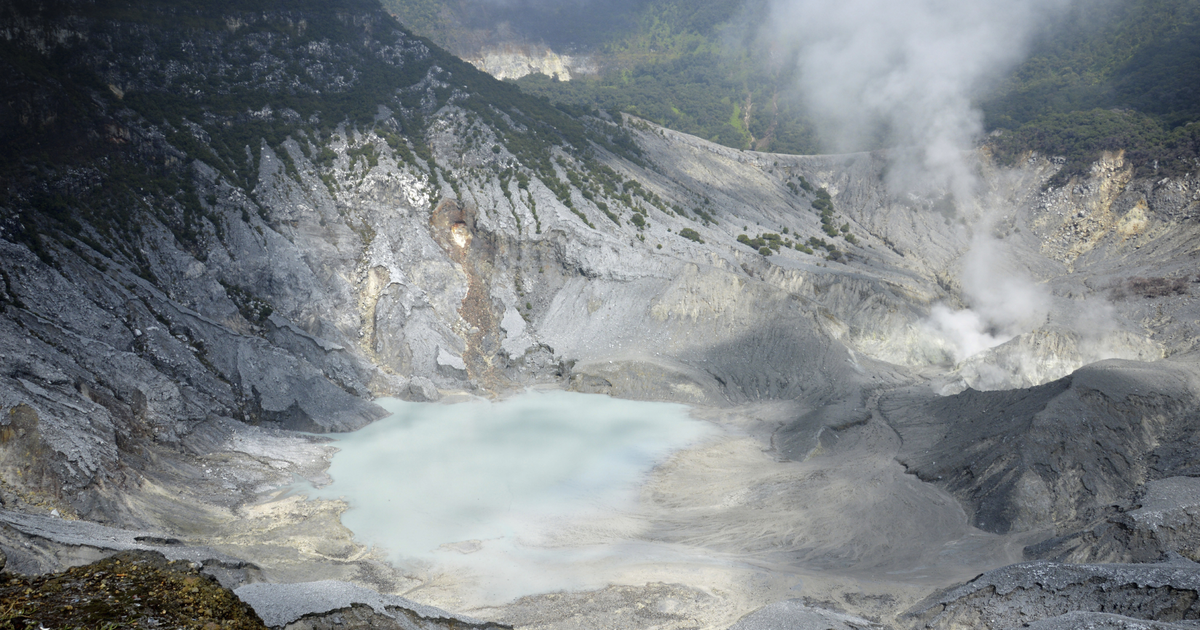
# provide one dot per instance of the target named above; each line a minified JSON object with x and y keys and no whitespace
{"x":1134,"y":222}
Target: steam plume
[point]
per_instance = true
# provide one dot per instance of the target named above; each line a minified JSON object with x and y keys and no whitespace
{"x":1003,"y":303}
{"x":907,"y":69}
{"x":905,"y":73}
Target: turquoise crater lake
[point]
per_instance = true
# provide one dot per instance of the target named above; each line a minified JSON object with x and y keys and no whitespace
{"x":513,"y":492}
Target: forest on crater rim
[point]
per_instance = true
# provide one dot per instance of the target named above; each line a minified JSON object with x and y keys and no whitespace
{"x":1103,"y":76}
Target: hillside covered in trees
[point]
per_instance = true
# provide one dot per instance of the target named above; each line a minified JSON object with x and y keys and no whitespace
{"x":1102,"y":76}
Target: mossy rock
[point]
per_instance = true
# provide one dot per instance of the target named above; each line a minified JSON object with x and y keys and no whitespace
{"x":135,"y":589}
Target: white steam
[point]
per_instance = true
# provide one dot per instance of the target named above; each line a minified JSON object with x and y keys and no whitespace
{"x":906,"y":73}
{"x":905,"y":68}
{"x":1004,"y":302}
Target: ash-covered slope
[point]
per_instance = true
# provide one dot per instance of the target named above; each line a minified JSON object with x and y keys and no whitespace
{"x":1058,"y":454}
{"x":216,"y":217}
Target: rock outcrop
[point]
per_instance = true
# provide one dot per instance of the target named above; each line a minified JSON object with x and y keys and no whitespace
{"x":1055,"y":455}
{"x":1068,"y":596}
{"x":513,"y":61}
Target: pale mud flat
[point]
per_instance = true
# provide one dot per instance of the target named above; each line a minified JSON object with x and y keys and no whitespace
{"x":726,"y":527}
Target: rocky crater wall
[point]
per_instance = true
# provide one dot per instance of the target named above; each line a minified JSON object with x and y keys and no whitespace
{"x":279,"y":278}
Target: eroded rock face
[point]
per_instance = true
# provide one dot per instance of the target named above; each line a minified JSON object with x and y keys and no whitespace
{"x":1056,"y":455}
{"x":513,"y":61}
{"x":795,"y":614}
{"x":1049,"y":592}
{"x":1157,"y":525}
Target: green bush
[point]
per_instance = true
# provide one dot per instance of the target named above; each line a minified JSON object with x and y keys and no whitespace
{"x":1081,"y":137}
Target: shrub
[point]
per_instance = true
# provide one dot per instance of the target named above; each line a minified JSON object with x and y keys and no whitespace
{"x":1148,"y":288}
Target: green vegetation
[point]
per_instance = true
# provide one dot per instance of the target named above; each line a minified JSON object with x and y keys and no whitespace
{"x":254,"y":309}
{"x":560,"y":24}
{"x":766,"y":244}
{"x":1081,"y":137}
{"x":1109,"y":77}
{"x":691,"y":235}
{"x":1106,"y":76}
{"x":684,"y":64}
{"x":700,"y":93}
{"x":823,"y":203}
{"x":1142,"y":55}
{"x":203,"y":97}
{"x":770,"y":243}
{"x":128,"y":590}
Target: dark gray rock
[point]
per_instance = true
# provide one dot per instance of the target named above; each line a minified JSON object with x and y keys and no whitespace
{"x":1161,"y":523}
{"x":421,"y":389}
{"x":1056,"y":454}
{"x":1023,"y":593}
{"x":1101,"y":621}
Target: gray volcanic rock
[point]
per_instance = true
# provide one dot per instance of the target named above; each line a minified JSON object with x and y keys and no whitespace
{"x":1167,"y":513}
{"x":1024,"y":593}
{"x":1162,"y":523}
{"x":79,"y":542}
{"x":1101,"y":621}
{"x":1056,"y":454}
{"x":315,"y":604}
